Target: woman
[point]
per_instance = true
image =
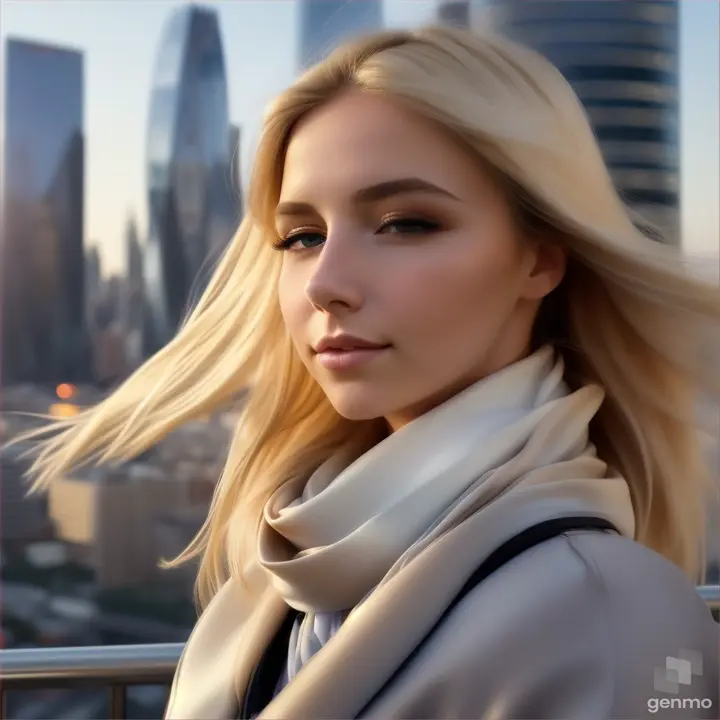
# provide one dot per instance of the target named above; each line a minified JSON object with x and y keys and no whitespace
{"x":465,"y":483}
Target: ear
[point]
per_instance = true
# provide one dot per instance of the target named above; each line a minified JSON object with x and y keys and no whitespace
{"x":547,"y":262}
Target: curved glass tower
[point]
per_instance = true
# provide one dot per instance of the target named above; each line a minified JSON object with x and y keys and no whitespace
{"x":192,"y":208}
{"x":324,"y":24}
{"x":622,"y":59}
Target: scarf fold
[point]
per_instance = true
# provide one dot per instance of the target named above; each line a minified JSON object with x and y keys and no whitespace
{"x":518,"y":436}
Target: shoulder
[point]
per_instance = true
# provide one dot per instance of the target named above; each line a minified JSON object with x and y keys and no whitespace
{"x":662,"y":640}
{"x":574,"y":627}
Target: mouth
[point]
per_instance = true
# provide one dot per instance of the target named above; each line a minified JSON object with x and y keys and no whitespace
{"x":346,"y":358}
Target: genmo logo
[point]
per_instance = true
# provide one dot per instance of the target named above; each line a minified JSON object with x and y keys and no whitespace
{"x":656,"y":704}
{"x":669,"y":679}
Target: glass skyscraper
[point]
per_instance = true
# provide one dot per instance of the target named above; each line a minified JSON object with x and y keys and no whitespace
{"x":325,"y":24}
{"x":44,"y":337}
{"x":621,"y":56}
{"x":192,"y":202}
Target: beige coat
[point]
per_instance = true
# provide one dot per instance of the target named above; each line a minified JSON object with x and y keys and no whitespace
{"x":582,"y":626}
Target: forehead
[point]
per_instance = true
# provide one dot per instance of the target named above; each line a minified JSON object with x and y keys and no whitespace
{"x":358,"y":139}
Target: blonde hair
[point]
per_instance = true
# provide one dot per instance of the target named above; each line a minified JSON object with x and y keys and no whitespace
{"x":626,"y":316}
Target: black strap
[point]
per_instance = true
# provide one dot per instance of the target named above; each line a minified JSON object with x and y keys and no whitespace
{"x":263,"y":681}
{"x":509,"y":550}
{"x":529,"y":538}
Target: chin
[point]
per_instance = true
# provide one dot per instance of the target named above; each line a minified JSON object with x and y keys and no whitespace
{"x":359,"y":403}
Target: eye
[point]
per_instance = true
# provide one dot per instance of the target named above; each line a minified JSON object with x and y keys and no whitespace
{"x":408,"y":226}
{"x":300,"y":241}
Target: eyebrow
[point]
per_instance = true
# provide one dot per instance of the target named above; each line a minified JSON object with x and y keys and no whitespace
{"x":372,"y":194}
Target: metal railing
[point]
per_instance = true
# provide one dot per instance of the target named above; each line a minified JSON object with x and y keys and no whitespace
{"x":711,"y":595}
{"x":117,"y":667}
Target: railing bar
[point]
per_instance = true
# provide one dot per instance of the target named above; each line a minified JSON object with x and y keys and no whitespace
{"x":142,"y":664}
{"x":118,"y":702}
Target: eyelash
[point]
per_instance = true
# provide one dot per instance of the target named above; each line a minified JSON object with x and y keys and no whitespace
{"x":427,"y":226}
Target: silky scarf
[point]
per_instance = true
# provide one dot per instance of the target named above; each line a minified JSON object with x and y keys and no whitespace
{"x":329,"y":540}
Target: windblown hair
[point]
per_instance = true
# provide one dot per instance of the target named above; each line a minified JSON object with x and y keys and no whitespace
{"x":627,"y":315}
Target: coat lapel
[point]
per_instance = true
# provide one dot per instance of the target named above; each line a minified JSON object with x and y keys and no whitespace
{"x":221,"y":653}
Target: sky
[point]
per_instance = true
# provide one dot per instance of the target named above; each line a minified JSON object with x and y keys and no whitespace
{"x":120,"y":39}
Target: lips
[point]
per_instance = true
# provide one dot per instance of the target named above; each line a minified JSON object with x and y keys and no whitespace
{"x":350,"y":348}
{"x":349,"y":358}
{"x":346,"y":343}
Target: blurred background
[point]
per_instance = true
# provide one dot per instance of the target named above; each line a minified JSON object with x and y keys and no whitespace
{"x":127,"y":135}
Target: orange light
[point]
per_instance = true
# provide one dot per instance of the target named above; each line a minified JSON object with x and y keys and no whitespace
{"x":64,"y":410}
{"x":65,"y":391}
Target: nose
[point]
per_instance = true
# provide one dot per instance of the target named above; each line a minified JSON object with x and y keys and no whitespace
{"x":334,"y":285}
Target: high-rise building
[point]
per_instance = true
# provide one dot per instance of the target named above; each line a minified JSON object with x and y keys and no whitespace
{"x":235,"y":150}
{"x":622,"y":60}
{"x":454,"y":12}
{"x":191,"y":205}
{"x":93,"y":284}
{"x":324,"y":24}
{"x":44,"y":338}
{"x":133,"y":302}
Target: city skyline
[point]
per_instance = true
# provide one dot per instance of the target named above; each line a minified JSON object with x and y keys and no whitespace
{"x":118,"y":95}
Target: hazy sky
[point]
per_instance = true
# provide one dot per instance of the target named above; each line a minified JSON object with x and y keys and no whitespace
{"x":120,"y":40}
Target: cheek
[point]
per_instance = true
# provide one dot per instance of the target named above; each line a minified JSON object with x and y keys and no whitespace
{"x":468,"y":292}
{"x":294,"y":305}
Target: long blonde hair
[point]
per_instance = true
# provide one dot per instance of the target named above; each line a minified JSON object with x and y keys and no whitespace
{"x":626,"y":316}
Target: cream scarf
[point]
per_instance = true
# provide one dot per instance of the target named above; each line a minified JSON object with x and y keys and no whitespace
{"x":517,"y":439}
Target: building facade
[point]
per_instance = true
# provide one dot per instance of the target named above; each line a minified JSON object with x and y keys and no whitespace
{"x":192,"y":210}
{"x":622,"y":60}
{"x":324,"y":24}
{"x":23,"y":519}
{"x":44,"y":337}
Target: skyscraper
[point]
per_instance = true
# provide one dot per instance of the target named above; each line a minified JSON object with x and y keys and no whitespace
{"x":622,"y":60}
{"x":235,"y":151}
{"x":454,"y":12}
{"x":93,"y":284}
{"x":133,"y":302}
{"x":324,"y":24}
{"x":191,"y":205}
{"x":44,"y":337}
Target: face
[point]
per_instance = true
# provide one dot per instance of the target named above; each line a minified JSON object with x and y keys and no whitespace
{"x":404,"y":279}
